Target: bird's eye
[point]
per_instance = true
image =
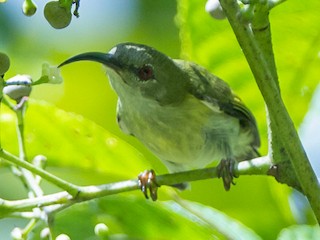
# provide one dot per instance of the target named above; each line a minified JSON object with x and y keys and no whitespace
{"x":145,"y":72}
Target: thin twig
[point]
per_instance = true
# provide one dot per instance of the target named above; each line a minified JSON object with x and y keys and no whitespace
{"x":69,"y":187}
{"x":61,"y":200}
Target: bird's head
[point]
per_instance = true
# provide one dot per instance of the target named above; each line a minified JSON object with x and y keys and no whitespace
{"x":143,"y":69}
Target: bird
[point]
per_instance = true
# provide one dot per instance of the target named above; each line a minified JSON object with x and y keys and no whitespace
{"x":185,"y":115}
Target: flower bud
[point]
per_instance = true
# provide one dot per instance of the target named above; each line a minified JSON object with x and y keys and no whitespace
{"x":16,"y":233}
{"x":63,"y":237}
{"x":40,"y":161}
{"x":214,"y":8}
{"x":53,"y":74}
{"x":101,"y":230}
{"x":45,"y":233}
{"x":18,"y":87}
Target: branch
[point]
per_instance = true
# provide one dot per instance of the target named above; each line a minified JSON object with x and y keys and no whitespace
{"x":267,"y":83}
{"x":70,"y":188}
{"x":257,"y":166}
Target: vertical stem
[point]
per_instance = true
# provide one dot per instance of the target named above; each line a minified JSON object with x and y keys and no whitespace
{"x":261,"y":31}
{"x":65,"y":185}
{"x":278,"y":113}
{"x":1,"y":97}
{"x":27,"y":177}
{"x":20,"y":132}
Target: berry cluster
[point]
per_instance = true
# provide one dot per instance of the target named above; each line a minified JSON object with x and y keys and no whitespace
{"x":57,"y":13}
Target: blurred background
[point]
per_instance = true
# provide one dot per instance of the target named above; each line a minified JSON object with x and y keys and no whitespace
{"x":259,"y":202}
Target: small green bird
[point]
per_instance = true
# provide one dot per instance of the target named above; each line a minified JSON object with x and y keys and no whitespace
{"x":182,"y":113}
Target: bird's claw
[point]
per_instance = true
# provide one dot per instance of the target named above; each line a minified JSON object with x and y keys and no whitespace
{"x":225,"y":171}
{"x":147,"y":181}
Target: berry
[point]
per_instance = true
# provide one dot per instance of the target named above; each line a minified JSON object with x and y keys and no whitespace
{"x":4,"y":63}
{"x":58,"y":16}
{"x":29,"y":7}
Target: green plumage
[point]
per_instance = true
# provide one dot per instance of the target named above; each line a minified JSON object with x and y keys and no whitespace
{"x":184,"y":114}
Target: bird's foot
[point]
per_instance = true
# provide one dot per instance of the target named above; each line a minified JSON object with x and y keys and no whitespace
{"x":147,"y":181}
{"x":226,"y":172}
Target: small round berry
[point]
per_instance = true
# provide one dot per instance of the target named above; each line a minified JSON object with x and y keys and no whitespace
{"x":29,"y":8}
{"x":58,"y":16}
{"x":4,"y":63}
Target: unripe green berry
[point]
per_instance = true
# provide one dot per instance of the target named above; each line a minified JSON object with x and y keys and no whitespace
{"x":58,"y":16}
{"x":4,"y":63}
{"x":29,"y":7}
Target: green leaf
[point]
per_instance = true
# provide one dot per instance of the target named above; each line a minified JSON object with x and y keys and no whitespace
{"x":69,"y":140}
{"x":300,"y":232}
{"x":130,"y":218}
{"x":204,"y":215}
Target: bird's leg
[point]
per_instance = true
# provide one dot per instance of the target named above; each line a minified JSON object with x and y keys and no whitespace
{"x":226,"y":172}
{"x":147,"y":181}
{"x":225,"y":169}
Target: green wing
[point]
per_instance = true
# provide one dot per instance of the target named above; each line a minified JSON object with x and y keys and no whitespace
{"x":214,"y":91}
{"x":246,"y":118}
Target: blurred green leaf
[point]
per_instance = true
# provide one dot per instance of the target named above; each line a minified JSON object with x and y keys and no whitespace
{"x":258,"y":202}
{"x":135,"y":218}
{"x":300,"y":232}
{"x":230,"y":228}
{"x":69,"y":140}
{"x":131,"y":218}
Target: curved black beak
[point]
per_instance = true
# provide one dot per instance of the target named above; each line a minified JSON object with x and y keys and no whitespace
{"x":106,"y":59}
